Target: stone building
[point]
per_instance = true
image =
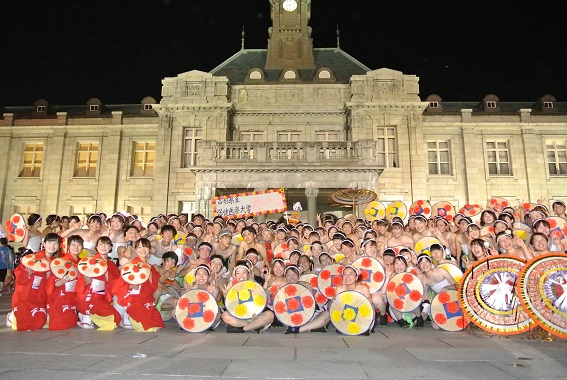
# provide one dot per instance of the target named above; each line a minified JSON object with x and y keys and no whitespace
{"x":310,"y":120}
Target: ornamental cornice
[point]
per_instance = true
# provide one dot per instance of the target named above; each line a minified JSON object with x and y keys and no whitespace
{"x":421,"y":106}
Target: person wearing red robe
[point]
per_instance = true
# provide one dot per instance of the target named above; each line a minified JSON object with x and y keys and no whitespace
{"x":29,"y":301}
{"x":139,"y":299}
{"x":94,"y":294}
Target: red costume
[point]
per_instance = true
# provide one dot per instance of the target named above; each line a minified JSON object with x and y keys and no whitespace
{"x":29,"y":298}
{"x":62,"y":302}
{"x":140,"y":302}
{"x":94,"y":299}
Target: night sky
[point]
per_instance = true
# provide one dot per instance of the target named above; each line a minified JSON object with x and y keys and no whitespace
{"x":68,"y":51}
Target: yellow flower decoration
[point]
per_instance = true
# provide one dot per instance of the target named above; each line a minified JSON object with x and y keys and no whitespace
{"x":347,"y":298}
{"x":259,"y":300}
{"x":249,"y":285}
{"x":336,"y":316}
{"x":364,"y":311}
{"x":381,"y":212}
{"x":190,"y":278}
{"x":84,"y":253}
{"x":393,"y":211}
{"x":241,"y":310}
{"x":349,"y":315}
{"x":521,"y":234}
{"x":244,"y":295}
{"x":419,"y":246}
{"x":231,"y":295}
{"x":353,"y":328}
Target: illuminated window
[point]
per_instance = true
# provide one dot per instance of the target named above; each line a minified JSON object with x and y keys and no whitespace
{"x":252,"y":136}
{"x":41,"y":109}
{"x":490,"y":104}
{"x":143,"y":159}
{"x":386,"y":147}
{"x":498,"y":158}
{"x":434,"y":104}
{"x":191,"y":137}
{"x":87,"y":160}
{"x":148,"y":107}
{"x":556,"y":157}
{"x":33,"y":157}
{"x":289,"y":136}
{"x":547,"y":104}
{"x":438,"y":157}
{"x":93,"y":107}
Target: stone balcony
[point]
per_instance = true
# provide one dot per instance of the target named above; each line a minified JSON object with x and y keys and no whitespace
{"x":307,"y":155}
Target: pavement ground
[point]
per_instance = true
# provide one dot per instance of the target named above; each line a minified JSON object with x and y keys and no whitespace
{"x":390,"y":353}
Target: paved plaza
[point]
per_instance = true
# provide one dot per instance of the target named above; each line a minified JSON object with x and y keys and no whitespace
{"x":390,"y":353}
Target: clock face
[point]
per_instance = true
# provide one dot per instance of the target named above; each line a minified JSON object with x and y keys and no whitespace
{"x":289,"y":5}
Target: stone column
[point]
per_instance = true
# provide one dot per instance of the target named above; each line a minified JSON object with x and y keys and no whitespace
{"x":311,"y":193}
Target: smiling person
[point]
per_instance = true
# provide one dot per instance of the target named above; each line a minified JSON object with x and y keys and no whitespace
{"x":139,"y":299}
{"x":90,"y":235}
{"x":29,"y":301}
{"x":249,"y":241}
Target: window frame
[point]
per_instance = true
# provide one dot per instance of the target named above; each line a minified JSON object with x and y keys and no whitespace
{"x":145,"y":163}
{"x":438,"y":150}
{"x":498,"y":163}
{"x":556,"y":163}
{"x":388,"y":155}
{"x":88,"y":164}
{"x":194,"y":153}
{"x":94,"y":107}
{"x":491,"y":104}
{"x":548,"y":105}
{"x":33,"y":164}
{"x":433,"y":104}
{"x":289,"y":134}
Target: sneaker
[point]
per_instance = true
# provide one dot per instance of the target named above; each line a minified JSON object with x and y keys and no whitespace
{"x":260,"y":330}
{"x":9,"y":319}
{"x":126,"y":326}
{"x":419,"y":322}
{"x":384,"y":320}
{"x":234,"y":329}
{"x":292,"y":330}
{"x":84,"y":325}
{"x":403,"y":323}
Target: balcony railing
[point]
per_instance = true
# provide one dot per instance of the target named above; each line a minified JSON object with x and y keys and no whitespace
{"x":323,"y":153}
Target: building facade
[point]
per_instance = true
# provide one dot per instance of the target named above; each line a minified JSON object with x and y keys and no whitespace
{"x":309,"y":120}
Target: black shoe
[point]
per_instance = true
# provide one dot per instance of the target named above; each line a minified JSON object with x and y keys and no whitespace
{"x":384,"y":320}
{"x":277,"y":323}
{"x":234,"y":329}
{"x":403,"y":323}
{"x":320,"y":329}
{"x":292,"y":330}
{"x":419,"y":322}
{"x":366,"y":333}
{"x":376,"y":319}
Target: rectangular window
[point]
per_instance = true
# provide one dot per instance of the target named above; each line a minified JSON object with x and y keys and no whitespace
{"x":438,"y":157}
{"x":252,"y":136}
{"x":556,"y":157}
{"x":33,"y":157}
{"x":148,"y":107}
{"x":434,"y":104}
{"x":87,"y":159}
{"x":490,"y":104}
{"x":93,"y":107}
{"x":327,"y":136}
{"x":40,"y":109}
{"x":143,"y":159}
{"x":190,"y":153}
{"x":289,"y":136}
{"x":386,"y":147}
{"x":498,"y":158}
{"x":547,"y":104}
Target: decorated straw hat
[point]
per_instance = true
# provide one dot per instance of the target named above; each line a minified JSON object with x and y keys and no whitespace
{"x":62,"y":267}
{"x":135,"y":272}
{"x":92,"y":266}
{"x":36,"y":262}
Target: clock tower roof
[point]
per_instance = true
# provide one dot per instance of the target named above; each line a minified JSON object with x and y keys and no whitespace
{"x":341,"y":65}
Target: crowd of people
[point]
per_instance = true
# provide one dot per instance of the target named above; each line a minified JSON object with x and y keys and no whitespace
{"x":178,"y":255}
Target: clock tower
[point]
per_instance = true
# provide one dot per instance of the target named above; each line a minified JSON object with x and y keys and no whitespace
{"x":290,"y":44}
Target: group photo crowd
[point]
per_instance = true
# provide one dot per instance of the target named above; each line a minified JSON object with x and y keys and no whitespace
{"x":501,"y":268}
